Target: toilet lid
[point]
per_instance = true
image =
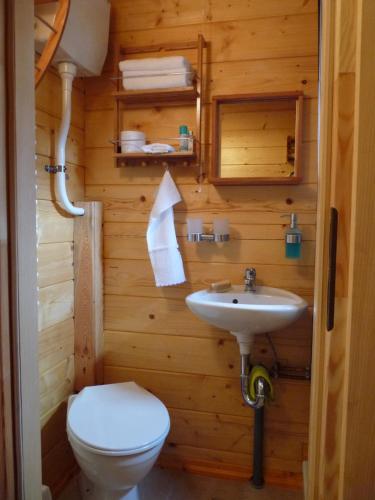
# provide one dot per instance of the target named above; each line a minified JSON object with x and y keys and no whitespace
{"x":118,"y":418}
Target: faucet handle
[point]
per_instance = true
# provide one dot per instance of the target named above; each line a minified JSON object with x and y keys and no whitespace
{"x":250,"y":272}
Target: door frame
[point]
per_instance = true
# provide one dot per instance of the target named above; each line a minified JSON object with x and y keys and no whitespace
{"x":19,"y":314}
{"x":7,"y":465}
{"x":325,"y":110}
{"x":341,"y":453}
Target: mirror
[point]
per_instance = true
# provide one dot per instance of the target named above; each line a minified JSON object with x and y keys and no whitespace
{"x":256,"y":139}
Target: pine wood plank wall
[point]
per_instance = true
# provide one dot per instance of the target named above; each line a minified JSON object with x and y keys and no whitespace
{"x":150,"y":336}
{"x":55,"y":276}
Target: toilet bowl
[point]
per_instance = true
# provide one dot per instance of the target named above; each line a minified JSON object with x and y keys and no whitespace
{"x":116,"y":432}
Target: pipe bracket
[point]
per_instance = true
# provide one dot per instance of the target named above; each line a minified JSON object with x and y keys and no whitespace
{"x":54,"y":169}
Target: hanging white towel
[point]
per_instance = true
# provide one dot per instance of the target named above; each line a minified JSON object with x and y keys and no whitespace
{"x":161,"y":236}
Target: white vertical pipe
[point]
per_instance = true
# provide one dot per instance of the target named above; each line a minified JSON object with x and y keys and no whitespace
{"x":67,"y":72}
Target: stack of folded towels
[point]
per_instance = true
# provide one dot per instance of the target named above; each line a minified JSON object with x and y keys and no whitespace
{"x":156,"y":73}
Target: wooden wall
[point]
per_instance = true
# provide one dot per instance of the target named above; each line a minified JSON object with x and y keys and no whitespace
{"x":55,"y":276}
{"x":150,"y":336}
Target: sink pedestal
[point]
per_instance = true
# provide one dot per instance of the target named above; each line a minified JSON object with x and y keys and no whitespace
{"x":245,"y":341}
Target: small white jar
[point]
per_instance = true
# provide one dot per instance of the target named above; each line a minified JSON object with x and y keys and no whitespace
{"x":132,"y":141}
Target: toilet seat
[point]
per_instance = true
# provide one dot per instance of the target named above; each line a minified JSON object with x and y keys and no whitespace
{"x":117,"y":419}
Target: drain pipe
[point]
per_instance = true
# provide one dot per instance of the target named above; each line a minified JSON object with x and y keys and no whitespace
{"x":258,"y":402}
{"x":258,"y":479}
{"x":258,"y":405}
{"x":67,"y":72}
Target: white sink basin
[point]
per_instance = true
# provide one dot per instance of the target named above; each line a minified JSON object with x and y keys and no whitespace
{"x":245,"y":314}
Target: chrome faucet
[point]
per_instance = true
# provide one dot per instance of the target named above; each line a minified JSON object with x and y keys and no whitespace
{"x":250,"y":279}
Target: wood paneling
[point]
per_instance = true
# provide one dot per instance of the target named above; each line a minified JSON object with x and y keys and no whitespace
{"x":56,"y":384}
{"x":242,"y":205}
{"x":150,"y":336}
{"x":52,"y":224}
{"x":158,"y":122}
{"x":147,"y":15}
{"x":56,"y":344}
{"x":55,"y":263}
{"x":221,"y":395}
{"x":56,"y":303}
{"x":278,"y":75}
{"x":216,"y":356}
{"x":118,"y":246}
{"x":88,"y":295}
{"x":243,"y":39}
{"x":207,"y":461}
{"x":135,"y":277}
{"x":46,"y":128}
{"x":227,"y":433}
{"x":55,"y":276}
{"x":45,"y":185}
{"x":100,"y":169}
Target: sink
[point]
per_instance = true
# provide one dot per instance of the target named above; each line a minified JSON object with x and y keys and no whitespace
{"x":245,"y":314}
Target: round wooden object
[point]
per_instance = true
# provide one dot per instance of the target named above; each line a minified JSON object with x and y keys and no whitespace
{"x":53,"y":41}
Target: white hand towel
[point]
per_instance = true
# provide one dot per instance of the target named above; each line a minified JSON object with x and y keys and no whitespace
{"x":155,"y":63}
{"x":157,"y":148}
{"x":161,"y":236}
{"x":136,"y":73}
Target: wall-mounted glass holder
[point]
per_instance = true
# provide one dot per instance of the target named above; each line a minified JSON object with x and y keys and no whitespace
{"x":217,"y":238}
{"x":195,"y":232}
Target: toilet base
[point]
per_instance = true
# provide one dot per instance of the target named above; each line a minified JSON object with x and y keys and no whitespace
{"x":90,"y":491}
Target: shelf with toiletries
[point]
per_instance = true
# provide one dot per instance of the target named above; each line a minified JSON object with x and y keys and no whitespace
{"x":133,"y":146}
{"x":155,"y":158}
{"x":138,"y":81}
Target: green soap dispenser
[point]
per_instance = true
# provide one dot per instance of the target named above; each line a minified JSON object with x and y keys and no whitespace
{"x":293,"y":239}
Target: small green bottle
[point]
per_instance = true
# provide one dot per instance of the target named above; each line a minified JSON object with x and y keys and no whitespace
{"x":184,"y":138}
{"x":293,"y":239}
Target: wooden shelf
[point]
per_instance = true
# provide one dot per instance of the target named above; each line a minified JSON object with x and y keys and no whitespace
{"x":171,"y":97}
{"x":178,"y":96}
{"x":178,"y":155}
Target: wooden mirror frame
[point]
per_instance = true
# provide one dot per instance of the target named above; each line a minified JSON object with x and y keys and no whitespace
{"x":53,"y":41}
{"x":214,"y":177}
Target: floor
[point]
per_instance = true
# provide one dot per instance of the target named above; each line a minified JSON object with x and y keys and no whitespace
{"x":175,"y":485}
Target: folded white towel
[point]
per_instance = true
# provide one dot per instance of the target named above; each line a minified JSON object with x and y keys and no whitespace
{"x":157,"y":72}
{"x":157,"y":82}
{"x":162,"y":243}
{"x":155,"y":63}
{"x":157,"y":147}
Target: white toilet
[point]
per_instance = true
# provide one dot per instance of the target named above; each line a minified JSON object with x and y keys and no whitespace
{"x":116,"y":432}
